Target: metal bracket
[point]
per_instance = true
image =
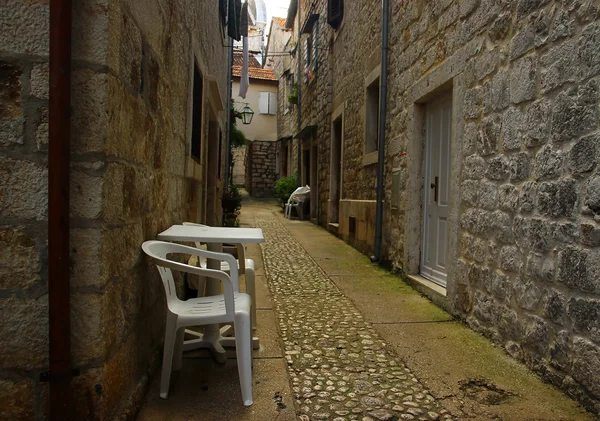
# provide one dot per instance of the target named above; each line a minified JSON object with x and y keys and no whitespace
{"x":45,"y":376}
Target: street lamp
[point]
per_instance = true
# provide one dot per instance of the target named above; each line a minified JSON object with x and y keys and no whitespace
{"x":247,"y":114}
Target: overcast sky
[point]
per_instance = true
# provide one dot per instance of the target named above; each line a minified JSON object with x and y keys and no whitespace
{"x":276,"y":8}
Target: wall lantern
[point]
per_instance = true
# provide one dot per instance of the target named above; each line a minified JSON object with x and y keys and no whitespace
{"x":247,"y":114}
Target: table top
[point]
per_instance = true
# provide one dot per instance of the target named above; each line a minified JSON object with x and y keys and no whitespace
{"x":212,"y":234}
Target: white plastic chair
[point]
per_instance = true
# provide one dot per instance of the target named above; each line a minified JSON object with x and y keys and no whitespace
{"x":245,"y":267}
{"x":296,"y":201}
{"x":230,"y":307}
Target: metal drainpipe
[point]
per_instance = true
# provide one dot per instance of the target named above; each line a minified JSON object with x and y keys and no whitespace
{"x":382,"y":119}
{"x":298,"y":45}
{"x":59,"y":295}
{"x":228,"y":111}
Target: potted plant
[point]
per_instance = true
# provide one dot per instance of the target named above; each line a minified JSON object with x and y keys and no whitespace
{"x":293,"y":97}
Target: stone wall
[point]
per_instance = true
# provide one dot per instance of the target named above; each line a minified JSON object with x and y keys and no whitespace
{"x":239,"y":165}
{"x":524,"y":210}
{"x":130,"y":140}
{"x":261,"y":172}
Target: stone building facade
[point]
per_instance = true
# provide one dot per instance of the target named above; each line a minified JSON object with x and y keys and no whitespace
{"x":518,"y":83}
{"x":133,"y":174}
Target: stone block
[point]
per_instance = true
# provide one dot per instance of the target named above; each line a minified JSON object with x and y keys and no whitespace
{"x":24,"y":193}
{"x":540,"y":268}
{"x":513,"y":128}
{"x":527,"y":197}
{"x":501,"y":227}
{"x":536,"y":334}
{"x":523,"y":79}
{"x":538,"y":123}
{"x":580,"y":158}
{"x":522,"y":41}
{"x":575,"y":112}
{"x":12,"y":120}
{"x":527,"y":295}
{"x":575,"y":269}
{"x":86,"y":195}
{"x":87,"y":269}
{"x":90,"y":117}
{"x":119,"y":374}
{"x":86,"y":394}
{"x":548,"y":163}
{"x":565,"y":232}
{"x":557,"y":66}
{"x":498,"y":168}
{"x":25,"y":27}
{"x":87,"y":333}
{"x":508,"y":197}
{"x":471,"y":138}
{"x":590,"y":235}
{"x":24,"y":332}
{"x":585,"y":315}
{"x":40,"y":81}
{"x":121,"y":248}
{"x":500,"y":90}
{"x":558,"y":199}
{"x":18,"y":400}
{"x":19,"y":259}
{"x":490,"y":135}
{"x":586,"y":364}
{"x":472,"y":105}
{"x":589,"y":49}
{"x":519,"y":166}
{"x":90,"y":31}
{"x":510,"y":259}
{"x":508,"y":324}
{"x":501,"y":286}
{"x":592,"y":195}
{"x":554,"y":306}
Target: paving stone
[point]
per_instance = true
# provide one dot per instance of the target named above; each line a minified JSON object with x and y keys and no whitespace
{"x":338,"y":363}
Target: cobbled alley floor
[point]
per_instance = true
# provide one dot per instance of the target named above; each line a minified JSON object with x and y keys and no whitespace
{"x":339,"y":366}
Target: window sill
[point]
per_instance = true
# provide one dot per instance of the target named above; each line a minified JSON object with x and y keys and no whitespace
{"x":370,"y":158}
{"x":426,"y":283}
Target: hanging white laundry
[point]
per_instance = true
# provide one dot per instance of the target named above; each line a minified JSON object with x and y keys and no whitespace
{"x":245,"y":78}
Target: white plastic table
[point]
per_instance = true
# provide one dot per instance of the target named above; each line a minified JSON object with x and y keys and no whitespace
{"x":213,"y":338}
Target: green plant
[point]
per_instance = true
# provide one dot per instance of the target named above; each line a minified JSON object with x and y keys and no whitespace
{"x":284,"y":187}
{"x":293,"y":97}
{"x":231,"y":203}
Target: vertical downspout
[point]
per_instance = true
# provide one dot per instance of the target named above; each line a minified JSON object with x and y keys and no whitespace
{"x":298,"y":52}
{"x":381,"y":137}
{"x":59,"y":298}
{"x":228,"y":111}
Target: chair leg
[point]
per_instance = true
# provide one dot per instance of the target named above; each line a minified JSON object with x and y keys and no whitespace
{"x":243,"y":349}
{"x":178,"y":353}
{"x":251,"y":291}
{"x":170,"y":334}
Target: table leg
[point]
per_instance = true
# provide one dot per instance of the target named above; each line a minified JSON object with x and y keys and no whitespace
{"x":214,"y":338}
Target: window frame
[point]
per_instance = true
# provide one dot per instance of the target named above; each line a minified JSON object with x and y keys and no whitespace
{"x":371,"y":127}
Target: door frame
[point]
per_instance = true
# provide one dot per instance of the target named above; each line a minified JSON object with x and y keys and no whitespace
{"x":448,"y":77}
{"x":334,"y":206}
{"x":443,"y":98}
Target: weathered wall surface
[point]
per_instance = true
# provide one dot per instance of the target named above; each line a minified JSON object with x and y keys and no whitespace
{"x":130,"y":97}
{"x":261,"y":172}
{"x":239,"y":166}
{"x":525,"y":222}
{"x":525,"y":87}
{"x":263,"y":126}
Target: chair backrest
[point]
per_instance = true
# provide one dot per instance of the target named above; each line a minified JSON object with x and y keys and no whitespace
{"x":241,"y":250}
{"x":193,"y":224}
{"x":300,"y":191}
{"x":159,"y":251}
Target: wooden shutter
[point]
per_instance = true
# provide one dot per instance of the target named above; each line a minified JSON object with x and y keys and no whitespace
{"x":263,"y":103}
{"x":315,"y":51}
{"x":273,"y":103}
{"x":335,"y":13}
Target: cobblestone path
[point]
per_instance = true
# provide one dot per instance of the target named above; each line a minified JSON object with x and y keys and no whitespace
{"x":339,"y":366}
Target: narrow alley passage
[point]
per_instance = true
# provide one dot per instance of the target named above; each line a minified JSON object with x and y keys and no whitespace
{"x":340,"y":367}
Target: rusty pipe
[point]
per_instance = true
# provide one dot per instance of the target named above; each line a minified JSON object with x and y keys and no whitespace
{"x":59,"y":139}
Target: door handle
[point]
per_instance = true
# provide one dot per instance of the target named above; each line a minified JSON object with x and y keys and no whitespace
{"x":435,"y":186}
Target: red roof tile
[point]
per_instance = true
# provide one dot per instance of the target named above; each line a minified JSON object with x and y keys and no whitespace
{"x":254,"y":73}
{"x":280,"y":22}
{"x":238,"y":59}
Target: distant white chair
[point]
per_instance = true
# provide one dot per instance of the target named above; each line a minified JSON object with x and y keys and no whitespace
{"x":296,"y":201}
{"x":231,"y":307}
{"x":245,"y":267}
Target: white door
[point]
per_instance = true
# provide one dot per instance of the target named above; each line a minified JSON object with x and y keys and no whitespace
{"x":438,"y":135}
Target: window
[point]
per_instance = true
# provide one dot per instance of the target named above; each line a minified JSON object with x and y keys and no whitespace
{"x":267,"y":103}
{"x":310,"y":51}
{"x":197,"y":113}
{"x":290,"y":95}
{"x":335,"y":13}
{"x":372,"y":117}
